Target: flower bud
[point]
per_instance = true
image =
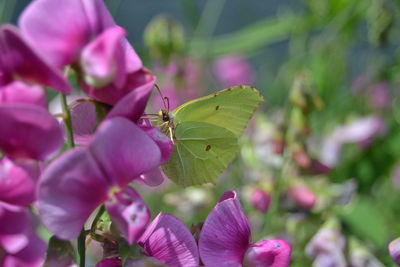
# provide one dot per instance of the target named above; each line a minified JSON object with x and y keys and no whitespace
{"x":164,"y":38}
{"x":302,"y":196}
{"x":110,"y":262}
{"x":260,"y":200}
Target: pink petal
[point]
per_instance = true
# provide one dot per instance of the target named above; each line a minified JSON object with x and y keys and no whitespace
{"x":225,"y":235}
{"x":141,"y":81}
{"x":19,"y":92}
{"x":28,"y":131}
{"x":154,"y":177}
{"x":18,"y":181}
{"x":394,"y":250}
{"x":17,"y":59}
{"x":268,"y":253}
{"x":101,"y":19}
{"x":110,"y":262}
{"x":19,"y":243}
{"x":58,"y":29}
{"x":129,"y":212}
{"x":69,"y":190}
{"x":168,"y":240}
{"x":103,"y":60}
{"x":164,"y":143}
{"x":123,"y":150}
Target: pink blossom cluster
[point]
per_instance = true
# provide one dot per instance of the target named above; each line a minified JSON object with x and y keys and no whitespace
{"x":55,"y":37}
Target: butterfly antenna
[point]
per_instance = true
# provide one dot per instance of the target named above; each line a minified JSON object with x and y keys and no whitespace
{"x":163,"y":97}
{"x":167,"y":99}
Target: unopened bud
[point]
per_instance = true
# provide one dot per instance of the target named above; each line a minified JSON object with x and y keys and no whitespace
{"x":302,"y":196}
{"x":260,"y":200}
{"x":394,"y":250}
{"x":164,"y":38}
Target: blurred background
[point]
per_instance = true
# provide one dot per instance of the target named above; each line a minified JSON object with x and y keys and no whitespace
{"x":319,"y":164}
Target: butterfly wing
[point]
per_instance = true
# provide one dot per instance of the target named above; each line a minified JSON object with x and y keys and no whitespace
{"x":201,"y":152}
{"x":230,"y":108}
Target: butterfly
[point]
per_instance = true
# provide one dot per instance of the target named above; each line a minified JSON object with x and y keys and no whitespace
{"x":205,"y":133}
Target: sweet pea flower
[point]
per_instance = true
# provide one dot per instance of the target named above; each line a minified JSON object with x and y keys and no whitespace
{"x":19,"y":245}
{"x":225,"y":239}
{"x":83,"y":178}
{"x":361,"y":131}
{"x":260,"y":200}
{"x":169,"y":241}
{"x":18,"y":181}
{"x":86,"y":36}
{"x":27,"y":129}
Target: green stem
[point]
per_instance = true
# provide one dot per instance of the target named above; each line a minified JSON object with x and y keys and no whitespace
{"x":71,"y":144}
{"x":97,"y":218}
{"x":67,"y":121}
{"x":82,"y":248}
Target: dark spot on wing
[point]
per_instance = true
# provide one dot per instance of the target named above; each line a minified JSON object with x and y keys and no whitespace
{"x":208,"y":147}
{"x":215,"y":94}
{"x":217,"y":107}
{"x":229,"y":89}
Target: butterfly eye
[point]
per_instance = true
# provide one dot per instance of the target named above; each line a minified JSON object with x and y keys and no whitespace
{"x":165,"y":117}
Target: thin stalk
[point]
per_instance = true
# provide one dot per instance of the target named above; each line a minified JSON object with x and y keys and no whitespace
{"x":67,"y":121}
{"x":71,"y":144}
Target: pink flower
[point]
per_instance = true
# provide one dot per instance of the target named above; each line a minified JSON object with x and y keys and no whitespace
{"x":27,"y":129}
{"x":225,"y":239}
{"x":18,"y":181}
{"x":168,"y":240}
{"x":232,"y":70}
{"x":361,"y":131}
{"x":87,"y":35}
{"x":19,"y":244}
{"x":394,"y":250}
{"x":302,"y":196}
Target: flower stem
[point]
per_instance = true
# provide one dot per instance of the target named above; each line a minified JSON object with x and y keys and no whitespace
{"x":82,"y":248}
{"x":71,"y":144}
{"x":67,"y":121}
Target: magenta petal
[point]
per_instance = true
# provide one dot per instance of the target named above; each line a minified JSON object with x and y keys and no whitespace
{"x":28,"y":131}
{"x":58,"y":29}
{"x":103,"y":61}
{"x":19,"y":92}
{"x":70,"y":189}
{"x":168,"y":240}
{"x":225,"y":235}
{"x":84,"y":122}
{"x":123,"y":150}
{"x":18,"y":242}
{"x":18,"y":181}
{"x":110,"y":262}
{"x":268,"y":253}
{"x":154,"y":177}
{"x":129,"y":212}
{"x":164,"y":142}
{"x":137,"y":88}
{"x":17,"y":59}
{"x":101,"y":19}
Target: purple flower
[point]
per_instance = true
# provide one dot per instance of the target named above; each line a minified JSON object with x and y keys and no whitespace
{"x":18,"y":181}
{"x":27,"y":129}
{"x":225,"y":239}
{"x":394,"y":250}
{"x":19,"y":244}
{"x":232,"y":70}
{"x":80,"y":180}
{"x":87,"y":35}
{"x":361,"y":131}
{"x":168,"y":240}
